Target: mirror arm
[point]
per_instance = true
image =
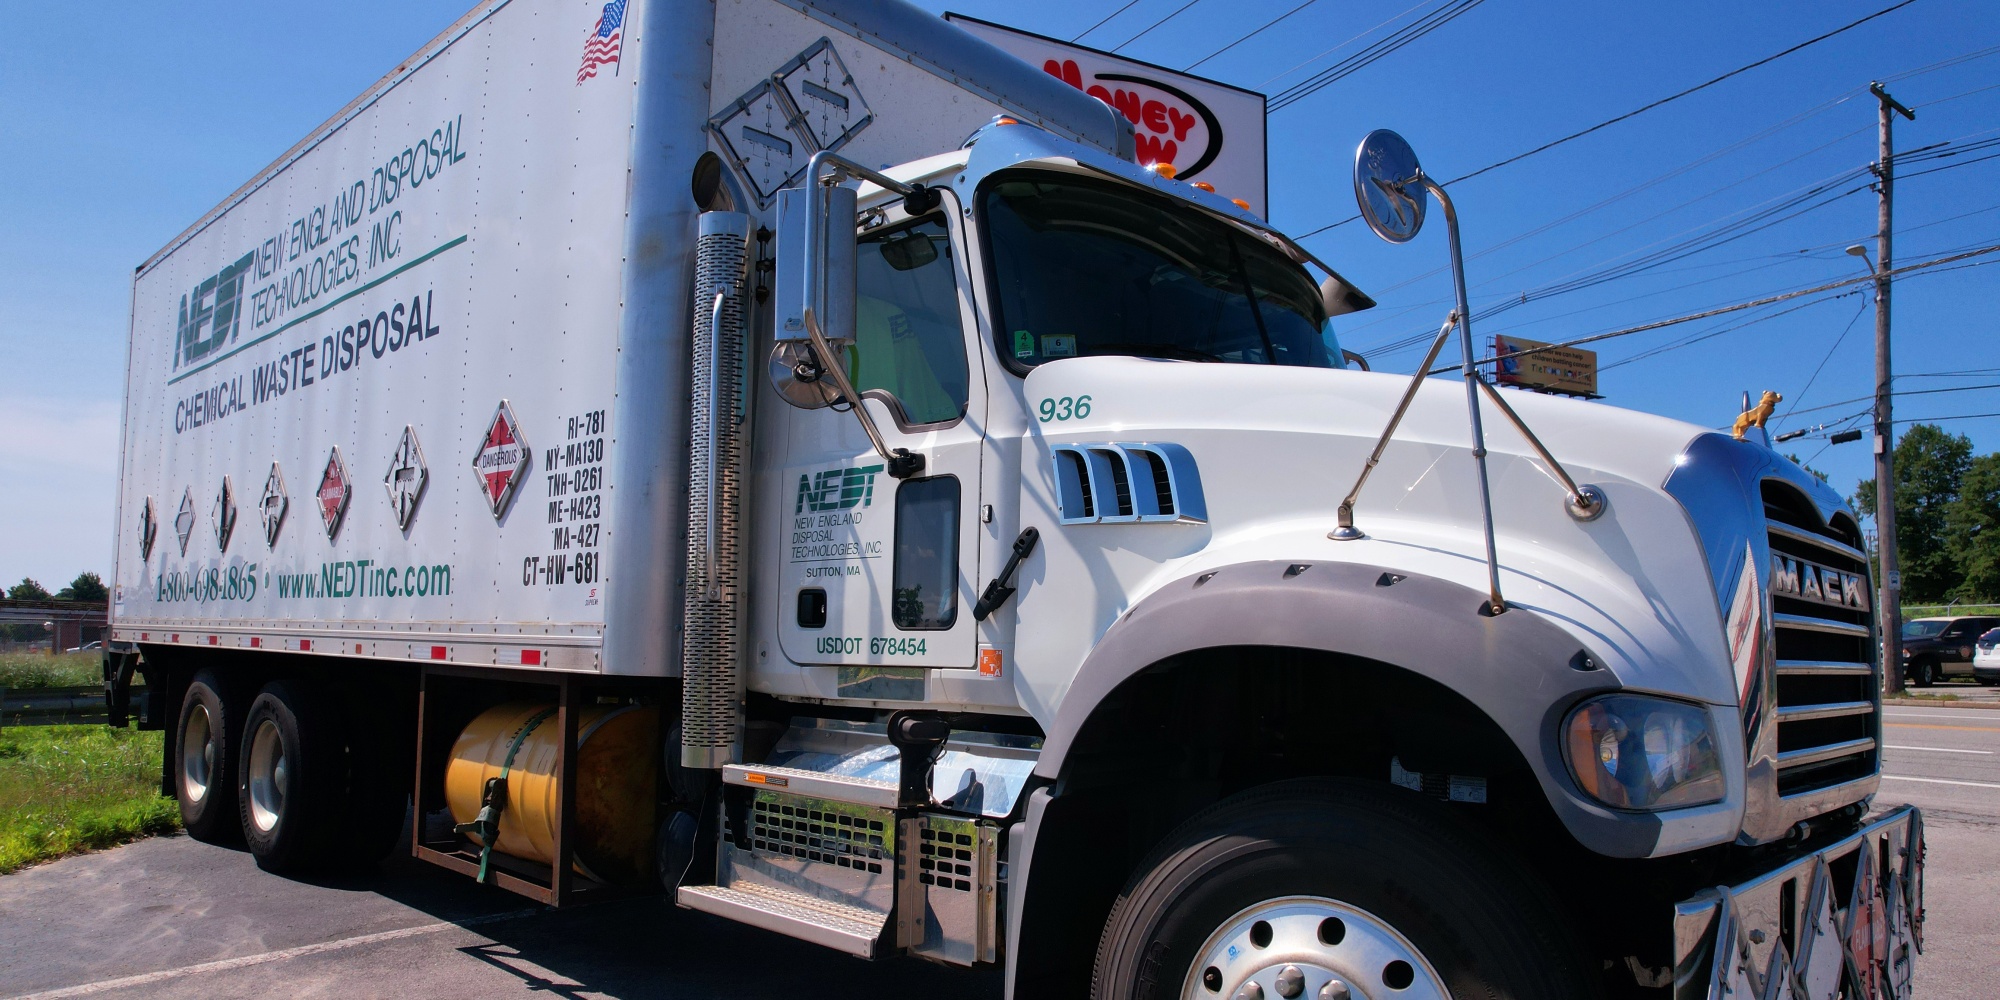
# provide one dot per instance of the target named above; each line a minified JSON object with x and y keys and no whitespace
{"x":1347,"y":532}
{"x":901,"y":463}
{"x":1586,"y":502}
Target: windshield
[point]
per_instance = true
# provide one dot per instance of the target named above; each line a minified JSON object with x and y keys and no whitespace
{"x":1083,"y":267}
{"x":1923,"y":629}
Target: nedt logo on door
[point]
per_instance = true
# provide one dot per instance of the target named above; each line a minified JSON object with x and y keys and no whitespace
{"x":836,"y":489}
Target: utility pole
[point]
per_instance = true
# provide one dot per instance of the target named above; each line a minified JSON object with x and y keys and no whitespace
{"x":1889,"y":589}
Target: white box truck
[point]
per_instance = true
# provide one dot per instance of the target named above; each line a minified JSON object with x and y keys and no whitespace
{"x":789,"y":455}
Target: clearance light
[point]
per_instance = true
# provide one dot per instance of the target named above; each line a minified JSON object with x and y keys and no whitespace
{"x":1205,"y":186}
{"x":1004,"y":120}
{"x":1633,"y":752}
{"x":1163,"y":169}
{"x":1240,"y":203}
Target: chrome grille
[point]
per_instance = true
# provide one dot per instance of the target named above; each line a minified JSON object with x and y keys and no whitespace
{"x":1826,"y":672}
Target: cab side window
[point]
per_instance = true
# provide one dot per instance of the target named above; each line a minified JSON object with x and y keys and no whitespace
{"x":907,"y":339}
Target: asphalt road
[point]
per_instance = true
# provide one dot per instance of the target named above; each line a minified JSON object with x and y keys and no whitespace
{"x":1947,"y":763}
{"x":172,"y":918}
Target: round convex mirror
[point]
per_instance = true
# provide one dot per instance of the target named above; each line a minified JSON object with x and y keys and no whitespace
{"x":1385,"y":169}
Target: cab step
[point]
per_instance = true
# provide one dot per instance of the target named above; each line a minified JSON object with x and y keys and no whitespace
{"x":815,"y":784}
{"x":853,"y":929}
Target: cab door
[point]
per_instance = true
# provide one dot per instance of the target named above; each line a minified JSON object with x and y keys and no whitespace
{"x":878,"y":572}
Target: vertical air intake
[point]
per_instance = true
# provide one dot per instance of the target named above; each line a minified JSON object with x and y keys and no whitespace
{"x":711,"y":673}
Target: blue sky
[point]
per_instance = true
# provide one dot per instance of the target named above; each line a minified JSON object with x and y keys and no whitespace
{"x":117,"y":133}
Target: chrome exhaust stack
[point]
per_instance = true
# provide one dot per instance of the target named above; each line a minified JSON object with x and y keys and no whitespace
{"x":719,"y":444}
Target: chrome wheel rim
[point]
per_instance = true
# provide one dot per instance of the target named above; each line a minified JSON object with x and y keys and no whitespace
{"x":197,"y":754}
{"x":1310,"y":948}
{"x":268,"y":776}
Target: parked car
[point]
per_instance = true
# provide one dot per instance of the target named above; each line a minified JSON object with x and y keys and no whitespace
{"x":88,"y":647}
{"x":1986,"y":657}
{"x":1938,"y":648}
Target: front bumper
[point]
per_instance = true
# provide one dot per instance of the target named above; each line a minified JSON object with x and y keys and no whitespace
{"x":1788,"y":933}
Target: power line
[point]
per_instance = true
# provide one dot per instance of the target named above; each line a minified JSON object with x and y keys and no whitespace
{"x":1712,"y":333}
{"x":1801,"y":397}
{"x":1767,"y":216}
{"x":1266,"y":26}
{"x":1900,"y":392}
{"x":1843,"y":98}
{"x":1545,"y":147}
{"x":1178,"y":11}
{"x":1329,"y":51}
{"x":1107,"y":20}
{"x":1939,"y":420}
{"x":1422,"y":26}
{"x":1737,"y":307}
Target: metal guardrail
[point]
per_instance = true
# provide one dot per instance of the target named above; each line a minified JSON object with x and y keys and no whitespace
{"x":61,"y":706}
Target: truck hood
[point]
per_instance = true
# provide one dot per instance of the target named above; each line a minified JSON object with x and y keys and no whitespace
{"x":1277,"y":448}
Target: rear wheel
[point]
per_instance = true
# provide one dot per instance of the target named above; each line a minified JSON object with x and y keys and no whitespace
{"x":289,"y":778}
{"x":1334,"y":890}
{"x":204,"y":751}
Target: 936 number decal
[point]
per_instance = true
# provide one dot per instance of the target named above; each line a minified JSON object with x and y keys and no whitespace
{"x":1064,"y":408}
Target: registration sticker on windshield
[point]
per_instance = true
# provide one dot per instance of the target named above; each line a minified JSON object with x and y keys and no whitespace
{"x":1058,"y":345}
{"x":1024,"y":344}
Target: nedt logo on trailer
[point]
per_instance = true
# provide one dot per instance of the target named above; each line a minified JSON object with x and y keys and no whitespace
{"x":211,"y":312}
{"x":1170,"y":125}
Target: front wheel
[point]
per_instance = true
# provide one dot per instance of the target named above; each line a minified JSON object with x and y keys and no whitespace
{"x":1923,"y":673}
{"x":1334,"y":890}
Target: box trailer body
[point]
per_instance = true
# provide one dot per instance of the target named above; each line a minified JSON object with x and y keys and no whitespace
{"x":543,"y":402}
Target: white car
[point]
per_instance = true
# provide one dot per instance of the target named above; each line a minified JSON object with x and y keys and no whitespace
{"x":1986,"y":657}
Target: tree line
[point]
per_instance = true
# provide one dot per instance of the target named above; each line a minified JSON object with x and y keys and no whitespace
{"x":1947,"y":518}
{"x":87,"y":586}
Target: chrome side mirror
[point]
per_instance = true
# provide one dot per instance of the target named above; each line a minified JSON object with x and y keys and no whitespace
{"x":816,"y":264}
{"x":1385,"y":171}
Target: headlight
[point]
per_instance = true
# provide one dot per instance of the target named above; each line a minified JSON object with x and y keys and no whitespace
{"x":1633,"y":752}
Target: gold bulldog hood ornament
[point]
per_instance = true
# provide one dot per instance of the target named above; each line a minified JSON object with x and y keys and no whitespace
{"x":1755,"y":416}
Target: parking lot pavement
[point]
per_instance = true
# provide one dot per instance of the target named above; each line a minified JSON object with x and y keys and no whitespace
{"x":173,"y":918}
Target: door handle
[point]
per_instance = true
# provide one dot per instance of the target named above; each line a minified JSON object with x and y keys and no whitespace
{"x":1000,"y":589}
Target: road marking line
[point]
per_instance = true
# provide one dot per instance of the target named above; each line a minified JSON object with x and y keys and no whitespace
{"x":1892,"y":746}
{"x":1956,"y":713}
{"x":1940,"y":781}
{"x":1933,"y":725}
{"x":245,"y":961}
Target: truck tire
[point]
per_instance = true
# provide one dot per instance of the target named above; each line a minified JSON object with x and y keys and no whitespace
{"x":380,"y":765}
{"x":289,"y":778}
{"x":1923,"y":673}
{"x":1277,"y":892}
{"x":204,"y":752}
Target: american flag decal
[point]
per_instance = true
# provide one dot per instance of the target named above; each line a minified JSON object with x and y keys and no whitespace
{"x":605,"y":41}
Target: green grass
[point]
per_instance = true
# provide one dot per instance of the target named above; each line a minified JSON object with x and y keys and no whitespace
{"x":22,"y":671}
{"x":67,"y":789}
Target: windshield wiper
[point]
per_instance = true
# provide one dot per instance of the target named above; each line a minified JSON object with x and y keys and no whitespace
{"x":1169,"y":351}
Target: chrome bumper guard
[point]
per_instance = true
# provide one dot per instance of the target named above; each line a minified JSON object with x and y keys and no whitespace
{"x":1846,"y":920}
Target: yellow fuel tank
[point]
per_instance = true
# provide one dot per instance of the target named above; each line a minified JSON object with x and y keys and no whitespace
{"x":617,"y":750}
